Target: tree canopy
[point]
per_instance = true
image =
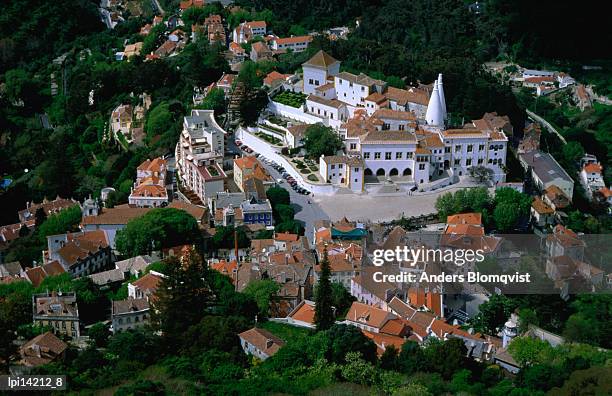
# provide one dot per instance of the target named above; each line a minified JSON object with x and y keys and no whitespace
{"x":158,"y":228}
{"x":321,"y":140}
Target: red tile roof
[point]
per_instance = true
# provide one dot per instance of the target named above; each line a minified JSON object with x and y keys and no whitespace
{"x":263,"y":340}
{"x":148,"y":283}
{"x":593,"y":168}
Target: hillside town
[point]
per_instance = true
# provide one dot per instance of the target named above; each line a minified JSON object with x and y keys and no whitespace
{"x":216,"y":196}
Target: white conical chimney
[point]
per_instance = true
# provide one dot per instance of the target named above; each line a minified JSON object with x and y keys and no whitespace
{"x":434,"y":115}
{"x":441,"y":94}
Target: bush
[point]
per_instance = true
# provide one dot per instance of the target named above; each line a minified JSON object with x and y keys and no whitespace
{"x":313,"y":178}
{"x":304,"y":171}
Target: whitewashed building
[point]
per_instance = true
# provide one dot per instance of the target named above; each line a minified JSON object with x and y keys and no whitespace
{"x":199,"y":154}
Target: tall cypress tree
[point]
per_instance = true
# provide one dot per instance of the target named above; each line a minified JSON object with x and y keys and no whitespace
{"x":324,"y":313}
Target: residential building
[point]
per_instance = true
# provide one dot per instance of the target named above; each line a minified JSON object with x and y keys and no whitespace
{"x":565,"y":80}
{"x":12,"y":269}
{"x":43,"y":349}
{"x":530,"y":73}
{"x":492,"y":122}
{"x":345,"y":262}
{"x":238,"y":52}
{"x":58,"y":311}
{"x":145,"y":286}
{"x":245,"y":167}
{"x":274,"y":79}
{"x":49,"y":207}
{"x":132,"y":50}
{"x":191,"y":3}
{"x":199,"y":154}
{"x":226,"y":83}
{"x":129,"y":314}
{"x":127,"y":121}
{"x":81,"y":253}
{"x":251,"y":211}
{"x":260,"y":52}
{"x":582,"y":97}
{"x":37,"y":274}
{"x":303,"y":315}
{"x":246,"y":31}
{"x":295,"y":135}
{"x":112,"y":220}
{"x":227,"y":268}
{"x":342,"y":171}
{"x":260,"y":343}
{"x":555,"y":198}
{"x":367,"y":317}
{"x":542,"y":213}
{"x":149,"y":189}
{"x":257,"y":212}
{"x":591,"y":179}
{"x":293,"y":43}
{"x":134,"y":266}
{"x":545,"y":171}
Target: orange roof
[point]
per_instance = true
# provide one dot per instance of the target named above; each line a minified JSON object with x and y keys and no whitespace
{"x":394,"y":114}
{"x":293,"y":40}
{"x":304,"y":312}
{"x":191,"y":3}
{"x":36,"y":275}
{"x":592,"y":168}
{"x":145,"y":189}
{"x":464,"y":229}
{"x":384,"y":340}
{"x":395,"y":327}
{"x":235,"y":47}
{"x":83,"y":245}
{"x":376,"y":97}
{"x":368,"y":315}
{"x":323,"y":235}
{"x":153,"y":166}
{"x":274,"y":76}
{"x":120,"y":214}
{"x":321,"y":59}
{"x":256,"y":24}
{"x":465,"y":218}
{"x":537,"y":80}
{"x":263,"y":340}
{"x":246,"y":162}
{"x":605,"y":192}
{"x":286,"y":237}
{"x":224,"y":267}
{"x":541,"y":207}
{"x":148,"y":283}
{"x":441,"y":329}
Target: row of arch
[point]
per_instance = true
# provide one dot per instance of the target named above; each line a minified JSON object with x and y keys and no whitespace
{"x":392,"y":172}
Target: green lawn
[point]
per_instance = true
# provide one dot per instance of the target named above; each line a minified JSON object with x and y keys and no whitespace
{"x":285,"y":331}
{"x":292,"y":99}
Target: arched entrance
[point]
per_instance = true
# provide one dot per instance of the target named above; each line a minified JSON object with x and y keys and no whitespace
{"x":407,"y":172}
{"x":393,"y":172}
{"x":380,"y":172}
{"x":368,"y":172}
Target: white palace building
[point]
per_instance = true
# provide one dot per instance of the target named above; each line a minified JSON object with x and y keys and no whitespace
{"x":392,"y":134}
